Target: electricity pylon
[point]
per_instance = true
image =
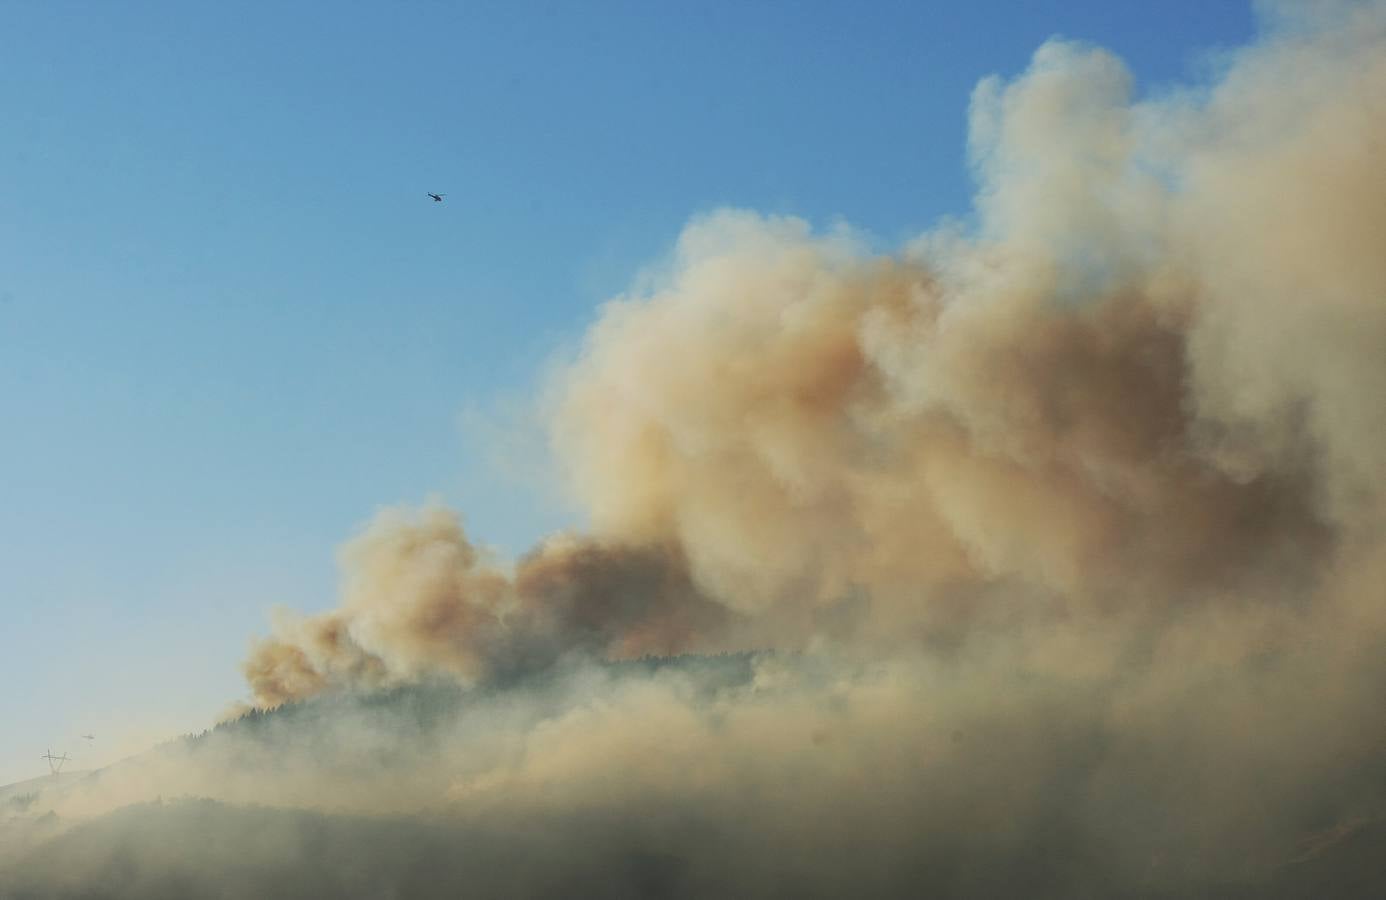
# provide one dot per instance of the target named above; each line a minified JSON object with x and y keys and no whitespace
{"x":55,"y":763}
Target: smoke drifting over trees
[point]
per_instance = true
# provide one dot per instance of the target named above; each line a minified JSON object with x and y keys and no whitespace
{"x":1068,"y":531}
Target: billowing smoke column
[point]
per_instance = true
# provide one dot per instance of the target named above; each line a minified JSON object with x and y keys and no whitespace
{"x":1073,"y":522}
{"x":1137,"y":409}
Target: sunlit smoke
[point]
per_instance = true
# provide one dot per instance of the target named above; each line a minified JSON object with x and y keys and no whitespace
{"x":1145,"y":385}
{"x":1067,"y":528}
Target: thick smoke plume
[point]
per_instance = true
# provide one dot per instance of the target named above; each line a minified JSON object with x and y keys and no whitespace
{"x":1145,"y":391}
{"x":1067,"y":528}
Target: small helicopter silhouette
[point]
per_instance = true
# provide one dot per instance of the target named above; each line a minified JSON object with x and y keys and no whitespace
{"x":437,"y":198}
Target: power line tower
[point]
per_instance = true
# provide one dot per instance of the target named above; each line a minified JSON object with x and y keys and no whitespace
{"x":55,"y":763}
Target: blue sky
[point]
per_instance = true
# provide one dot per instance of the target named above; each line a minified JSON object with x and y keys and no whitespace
{"x":232,"y":325}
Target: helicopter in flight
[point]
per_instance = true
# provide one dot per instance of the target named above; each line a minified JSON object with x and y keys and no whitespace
{"x":437,"y":198}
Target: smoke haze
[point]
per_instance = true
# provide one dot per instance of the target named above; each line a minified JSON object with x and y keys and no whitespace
{"x":1067,"y":532}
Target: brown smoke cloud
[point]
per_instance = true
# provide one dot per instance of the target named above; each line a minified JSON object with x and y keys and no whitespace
{"x":1068,"y":530}
{"x":1146,"y":387}
{"x":421,"y":601}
